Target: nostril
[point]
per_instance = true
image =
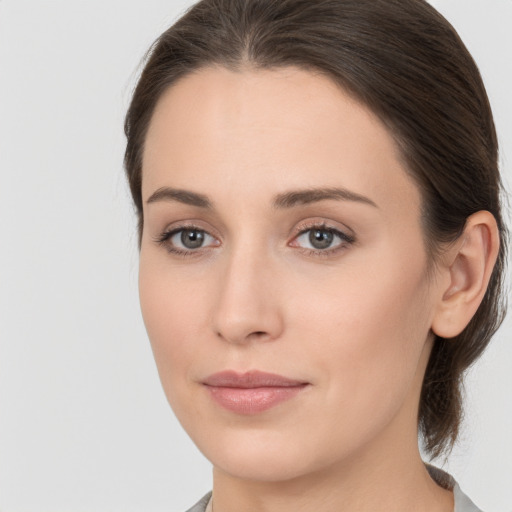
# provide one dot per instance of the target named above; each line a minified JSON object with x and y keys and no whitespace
{"x":244,"y":338}
{"x":258,"y":335}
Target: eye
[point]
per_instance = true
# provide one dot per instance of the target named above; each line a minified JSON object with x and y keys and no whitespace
{"x":190,"y":238}
{"x":186,"y":239}
{"x":322,"y":239}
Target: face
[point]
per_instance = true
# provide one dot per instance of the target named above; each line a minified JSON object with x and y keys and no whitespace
{"x":283,"y":273}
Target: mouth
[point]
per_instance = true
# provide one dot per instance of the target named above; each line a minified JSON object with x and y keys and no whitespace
{"x":251,"y":392}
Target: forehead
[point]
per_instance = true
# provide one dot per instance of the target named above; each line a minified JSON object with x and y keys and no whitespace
{"x":270,"y":130}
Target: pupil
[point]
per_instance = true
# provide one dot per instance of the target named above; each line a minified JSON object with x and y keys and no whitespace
{"x":192,"y":239}
{"x":320,"y":239}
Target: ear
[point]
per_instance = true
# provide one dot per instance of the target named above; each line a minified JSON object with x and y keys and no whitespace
{"x":466,"y":269}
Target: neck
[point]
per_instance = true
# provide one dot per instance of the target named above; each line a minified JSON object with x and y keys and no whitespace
{"x":389,"y":484}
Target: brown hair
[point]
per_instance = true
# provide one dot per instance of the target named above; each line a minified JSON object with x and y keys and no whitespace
{"x":404,"y":61}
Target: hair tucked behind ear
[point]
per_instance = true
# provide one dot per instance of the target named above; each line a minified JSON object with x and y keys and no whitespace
{"x":405,"y":62}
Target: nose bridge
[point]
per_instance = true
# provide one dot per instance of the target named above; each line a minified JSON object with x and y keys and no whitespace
{"x":247,"y":303}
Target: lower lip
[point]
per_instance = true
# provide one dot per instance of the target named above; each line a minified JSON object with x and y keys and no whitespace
{"x":252,"y":400}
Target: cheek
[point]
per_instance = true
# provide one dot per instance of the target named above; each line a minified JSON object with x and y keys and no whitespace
{"x":174,"y":314}
{"x":365,"y":333}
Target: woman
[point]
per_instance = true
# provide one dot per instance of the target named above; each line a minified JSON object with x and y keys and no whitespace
{"x":321,"y":246}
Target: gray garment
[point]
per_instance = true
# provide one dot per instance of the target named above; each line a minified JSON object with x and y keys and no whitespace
{"x":462,"y":502}
{"x":201,"y":505}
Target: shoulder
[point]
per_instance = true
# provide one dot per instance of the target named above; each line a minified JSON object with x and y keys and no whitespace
{"x":462,"y":502}
{"x":201,"y":505}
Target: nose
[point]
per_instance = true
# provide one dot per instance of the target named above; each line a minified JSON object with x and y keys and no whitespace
{"x":247,"y":305}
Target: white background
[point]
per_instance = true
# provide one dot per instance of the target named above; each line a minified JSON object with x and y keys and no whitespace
{"x":84,"y":425}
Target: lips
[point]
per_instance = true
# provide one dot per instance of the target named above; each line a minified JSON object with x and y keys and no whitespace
{"x":252,"y":392}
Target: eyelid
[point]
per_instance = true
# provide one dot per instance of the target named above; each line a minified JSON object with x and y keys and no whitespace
{"x":324,"y":224}
{"x":164,"y":237}
{"x":346,"y":239}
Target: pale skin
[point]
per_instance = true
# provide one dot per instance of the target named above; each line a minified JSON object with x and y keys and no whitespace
{"x":353,"y":317}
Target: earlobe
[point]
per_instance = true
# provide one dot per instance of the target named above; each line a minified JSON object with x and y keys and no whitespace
{"x":468,"y":267}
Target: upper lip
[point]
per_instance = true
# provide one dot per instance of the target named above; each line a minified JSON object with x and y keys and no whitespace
{"x":248,"y":380}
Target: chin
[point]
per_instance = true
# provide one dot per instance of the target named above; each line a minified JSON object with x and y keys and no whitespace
{"x":260,"y":467}
{"x":263,"y":456}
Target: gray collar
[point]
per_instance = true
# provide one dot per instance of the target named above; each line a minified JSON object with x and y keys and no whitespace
{"x":462,"y":502}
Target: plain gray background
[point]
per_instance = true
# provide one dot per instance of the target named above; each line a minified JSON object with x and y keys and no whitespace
{"x":84,"y":425}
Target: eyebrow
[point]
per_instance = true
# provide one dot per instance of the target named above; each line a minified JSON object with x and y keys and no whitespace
{"x":181,"y":196}
{"x":313,"y":195}
{"x":281,"y":201}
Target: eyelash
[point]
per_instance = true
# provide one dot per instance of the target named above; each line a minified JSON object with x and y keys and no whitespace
{"x":164,"y":237}
{"x":346,"y":240}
